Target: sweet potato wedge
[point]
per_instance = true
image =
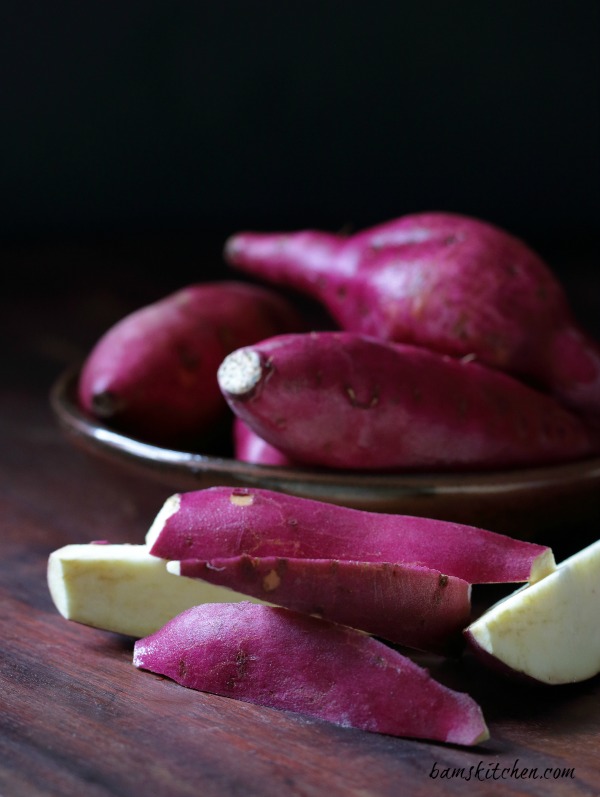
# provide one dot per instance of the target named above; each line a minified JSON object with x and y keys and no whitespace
{"x":406,"y":604}
{"x":346,"y":401}
{"x":224,"y":522}
{"x":153,"y":374}
{"x":123,"y":588}
{"x":445,"y":281}
{"x":285,"y":660}
{"x":547,"y":632}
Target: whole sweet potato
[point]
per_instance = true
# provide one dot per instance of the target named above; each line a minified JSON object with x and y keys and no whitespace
{"x":451,"y":283}
{"x":249,"y":447}
{"x":406,"y":604}
{"x":153,"y":374}
{"x":346,"y":401}
{"x":285,"y":660}
{"x":226,"y":522}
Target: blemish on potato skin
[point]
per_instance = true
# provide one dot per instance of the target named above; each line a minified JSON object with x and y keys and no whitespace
{"x":182,"y":668}
{"x":241,"y":662}
{"x":189,"y":359}
{"x":437,"y":596}
{"x":460,"y":329}
{"x":451,"y":239}
{"x":241,"y":497}
{"x":227,"y":337}
{"x":362,"y":405}
{"x":463,"y":408}
{"x":417,"y":394}
{"x":468,"y":358}
{"x":271,"y":581}
{"x":210,"y":566}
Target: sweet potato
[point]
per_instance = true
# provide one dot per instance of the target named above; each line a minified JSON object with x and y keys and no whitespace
{"x":547,"y":632}
{"x":122,"y":588}
{"x":249,"y":447}
{"x":153,"y":374}
{"x":284,"y":660}
{"x":225,"y":522}
{"x":346,"y":401}
{"x":451,"y":283}
{"x":406,"y":604}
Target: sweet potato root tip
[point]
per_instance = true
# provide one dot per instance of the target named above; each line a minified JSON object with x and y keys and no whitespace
{"x":105,"y":404}
{"x":240,"y":372}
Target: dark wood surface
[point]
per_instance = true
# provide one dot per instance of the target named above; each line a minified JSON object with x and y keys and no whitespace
{"x":76,"y":718}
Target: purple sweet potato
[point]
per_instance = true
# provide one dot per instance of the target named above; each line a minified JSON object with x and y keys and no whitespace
{"x":285,"y":660}
{"x":153,"y":374}
{"x":448,"y":282}
{"x":346,"y":401}
{"x":406,"y":604}
{"x":249,"y":447}
{"x":226,"y":522}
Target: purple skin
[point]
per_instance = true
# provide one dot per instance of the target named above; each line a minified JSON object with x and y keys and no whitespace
{"x":494,"y":665}
{"x":225,"y":522}
{"x":342,"y":400}
{"x":284,"y":660}
{"x":153,"y":374}
{"x":249,"y":447}
{"x":448,"y":282}
{"x":406,"y":604}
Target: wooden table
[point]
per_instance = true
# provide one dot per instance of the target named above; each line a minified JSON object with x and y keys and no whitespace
{"x":76,"y":718}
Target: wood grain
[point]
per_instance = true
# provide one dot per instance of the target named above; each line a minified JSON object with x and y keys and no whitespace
{"x":76,"y":718}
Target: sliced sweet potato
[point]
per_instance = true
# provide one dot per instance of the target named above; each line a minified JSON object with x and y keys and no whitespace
{"x":222,"y":522}
{"x":285,"y":660}
{"x":122,"y":588}
{"x":406,"y":604}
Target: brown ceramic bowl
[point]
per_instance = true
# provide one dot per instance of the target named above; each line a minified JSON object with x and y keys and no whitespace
{"x":525,"y":502}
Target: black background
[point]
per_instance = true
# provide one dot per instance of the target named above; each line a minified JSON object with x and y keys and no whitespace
{"x":181,"y":122}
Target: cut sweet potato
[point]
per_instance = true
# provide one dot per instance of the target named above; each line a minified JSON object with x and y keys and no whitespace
{"x":222,"y":522}
{"x":547,"y":632}
{"x":285,"y":660}
{"x":122,"y":588}
{"x":405,"y":604}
